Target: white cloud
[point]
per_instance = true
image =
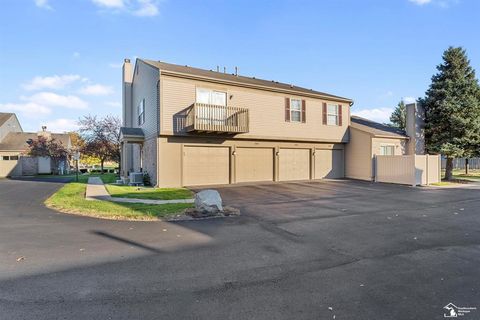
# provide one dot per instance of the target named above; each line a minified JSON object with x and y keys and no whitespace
{"x":51,"y":99}
{"x":96,"y":90}
{"x":29,"y":109}
{"x":114,"y":104}
{"x":147,"y":9}
{"x":440,"y":3}
{"x":76,"y":55}
{"x":409,"y":99}
{"x":381,"y":115}
{"x":53,"y":82}
{"x":43,"y":4}
{"x":420,"y":2}
{"x":109,"y":3}
{"x":62,"y":125}
{"x":141,"y":8}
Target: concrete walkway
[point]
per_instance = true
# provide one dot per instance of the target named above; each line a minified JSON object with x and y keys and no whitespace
{"x":96,"y":191}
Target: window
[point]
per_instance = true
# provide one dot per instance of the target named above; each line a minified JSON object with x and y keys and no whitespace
{"x":387,"y":150}
{"x":213,"y":113}
{"x":141,"y":112}
{"x":332,"y":115}
{"x":295,"y":110}
{"x":207,"y":96}
{"x":9,"y":158}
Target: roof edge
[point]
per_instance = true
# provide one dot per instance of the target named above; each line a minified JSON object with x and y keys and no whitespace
{"x":245,"y":85}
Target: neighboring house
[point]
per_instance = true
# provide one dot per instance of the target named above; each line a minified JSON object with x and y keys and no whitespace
{"x":14,"y":147}
{"x":368,"y":139}
{"x":186,"y":126}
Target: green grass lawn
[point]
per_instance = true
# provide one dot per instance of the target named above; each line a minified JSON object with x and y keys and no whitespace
{"x":71,"y":199}
{"x":148,"y":193}
{"x":473,"y":174}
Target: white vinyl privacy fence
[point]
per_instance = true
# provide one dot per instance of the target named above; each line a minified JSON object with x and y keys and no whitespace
{"x":411,"y":169}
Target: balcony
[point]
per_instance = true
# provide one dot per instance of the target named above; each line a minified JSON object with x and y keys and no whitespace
{"x":216,"y":119}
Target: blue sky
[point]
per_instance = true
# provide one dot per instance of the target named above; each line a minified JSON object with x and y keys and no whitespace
{"x":61,"y":59}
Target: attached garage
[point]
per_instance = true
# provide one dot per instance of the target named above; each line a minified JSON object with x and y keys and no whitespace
{"x":294,"y":164}
{"x":329,"y":164}
{"x":206,"y":165}
{"x":254,"y":164}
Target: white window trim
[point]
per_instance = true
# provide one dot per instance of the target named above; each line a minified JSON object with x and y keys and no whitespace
{"x":336,"y":114}
{"x":292,"y":111}
{"x":211,"y":90}
{"x":383,"y":145}
{"x":141,"y":115}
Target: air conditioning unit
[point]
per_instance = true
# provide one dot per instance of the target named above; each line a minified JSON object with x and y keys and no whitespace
{"x":136,"y":178}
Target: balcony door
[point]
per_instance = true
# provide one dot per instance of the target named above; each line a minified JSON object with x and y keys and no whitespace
{"x":212,"y":106}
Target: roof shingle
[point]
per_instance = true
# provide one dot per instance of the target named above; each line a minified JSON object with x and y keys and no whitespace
{"x":17,"y":141}
{"x":187,"y":70}
{"x":377,"y":129}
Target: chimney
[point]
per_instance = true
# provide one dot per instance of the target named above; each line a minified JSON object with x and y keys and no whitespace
{"x":44,"y":133}
{"x":127,"y":78}
{"x":415,"y":127}
{"x":236,"y":71}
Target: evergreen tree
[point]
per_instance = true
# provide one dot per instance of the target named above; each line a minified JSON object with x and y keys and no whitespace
{"x":398,"y":118}
{"x":452,"y":109}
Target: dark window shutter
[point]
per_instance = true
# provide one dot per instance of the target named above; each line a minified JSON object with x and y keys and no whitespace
{"x":339,"y":114}
{"x":287,"y":109}
{"x":304,"y":111}
{"x":324,"y":113}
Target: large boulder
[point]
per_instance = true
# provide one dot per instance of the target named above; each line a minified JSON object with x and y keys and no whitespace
{"x":208,"y":202}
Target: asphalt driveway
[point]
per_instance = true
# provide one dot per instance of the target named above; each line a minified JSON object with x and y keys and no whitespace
{"x":310,"y":250}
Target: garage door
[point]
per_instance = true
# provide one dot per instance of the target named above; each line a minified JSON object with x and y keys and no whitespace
{"x":206,"y":165}
{"x":329,"y":164}
{"x":254,"y":164}
{"x":294,"y":164}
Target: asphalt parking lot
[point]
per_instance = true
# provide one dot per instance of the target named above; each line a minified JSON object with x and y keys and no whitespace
{"x":302,"y":250}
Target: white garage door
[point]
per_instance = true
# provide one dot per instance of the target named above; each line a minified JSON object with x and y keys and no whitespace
{"x":329,"y":164}
{"x":254,"y":164}
{"x":294,"y":164}
{"x":206,"y":165}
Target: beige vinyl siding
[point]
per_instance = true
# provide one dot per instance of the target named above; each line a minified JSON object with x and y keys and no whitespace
{"x":294,"y":164}
{"x":10,"y":167}
{"x":254,"y":164}
{"x":329,"y":164}
{"x":206,"y":165}
{"x":145,"y":87}
{"x":266,"y":112}
{"x":358,"y":155}
{"x":399,"y":144}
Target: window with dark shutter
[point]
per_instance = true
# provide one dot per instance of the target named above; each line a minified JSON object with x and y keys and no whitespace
{"x":304,"y":110}
{"x":339,"y":114}
{"x":324,"y":113}
{"x":287,"y":109}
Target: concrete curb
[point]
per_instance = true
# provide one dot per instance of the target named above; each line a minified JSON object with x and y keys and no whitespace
{"x":96,"y":191}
